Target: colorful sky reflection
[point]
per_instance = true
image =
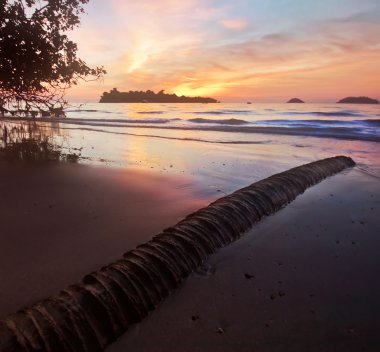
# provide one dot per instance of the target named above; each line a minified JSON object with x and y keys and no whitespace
{"x":263,"y":51}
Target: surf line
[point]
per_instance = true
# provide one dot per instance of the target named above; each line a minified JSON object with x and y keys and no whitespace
{"x":90,"y":315}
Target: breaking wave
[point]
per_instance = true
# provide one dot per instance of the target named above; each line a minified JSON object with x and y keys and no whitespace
{"x":223,"y":112}
{"x":151,"y":112}
{"x":366,"y":130}
{"x":323,"y":113}
{"x":220,"y":122}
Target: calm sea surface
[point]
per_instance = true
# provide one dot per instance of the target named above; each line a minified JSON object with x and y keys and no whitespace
{"x":222,"y":145}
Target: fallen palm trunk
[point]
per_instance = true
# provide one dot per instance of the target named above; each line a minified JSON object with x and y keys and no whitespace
{"x":90,"y":315}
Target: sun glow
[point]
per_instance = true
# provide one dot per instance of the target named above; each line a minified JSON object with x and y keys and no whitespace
{"x":230,"y":53}
{"x":189,"y":90}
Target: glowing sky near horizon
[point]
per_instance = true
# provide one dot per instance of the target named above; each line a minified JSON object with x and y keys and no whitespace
{"x":258,"y":50}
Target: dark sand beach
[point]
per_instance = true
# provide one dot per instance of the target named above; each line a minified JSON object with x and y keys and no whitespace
{"x":60,"y":222}
{"x":303,"y":279}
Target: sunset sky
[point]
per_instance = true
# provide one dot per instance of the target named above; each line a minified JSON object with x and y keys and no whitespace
{"x":257,"y":50}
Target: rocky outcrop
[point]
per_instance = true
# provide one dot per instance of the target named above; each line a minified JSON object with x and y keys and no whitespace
{"x":358,"y":100}
{"x":295,"y":100}
{"x":90,"y":315}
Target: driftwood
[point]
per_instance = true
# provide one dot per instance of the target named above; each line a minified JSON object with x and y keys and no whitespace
{"x":90,"y":315}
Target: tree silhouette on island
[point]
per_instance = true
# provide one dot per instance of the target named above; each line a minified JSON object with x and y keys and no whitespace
{"x":114,"y":96}
{"x":358,"y":100}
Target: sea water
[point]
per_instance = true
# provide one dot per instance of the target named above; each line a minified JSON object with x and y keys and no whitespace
{"x":221,"y":146}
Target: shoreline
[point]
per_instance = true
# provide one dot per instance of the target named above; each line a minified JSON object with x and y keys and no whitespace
{"x":61,"y":255}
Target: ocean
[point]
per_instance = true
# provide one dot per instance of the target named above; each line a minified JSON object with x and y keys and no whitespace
{"x":219,"y":146}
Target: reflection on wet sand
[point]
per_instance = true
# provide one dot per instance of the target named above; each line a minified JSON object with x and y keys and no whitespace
{"x":32,"y":142}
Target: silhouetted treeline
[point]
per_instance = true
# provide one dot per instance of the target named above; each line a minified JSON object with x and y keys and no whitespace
{"x":114,"y":96}
{"x":358,"y":100}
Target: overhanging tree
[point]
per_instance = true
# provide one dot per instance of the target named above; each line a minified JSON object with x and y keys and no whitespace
{"x":38,"y":62}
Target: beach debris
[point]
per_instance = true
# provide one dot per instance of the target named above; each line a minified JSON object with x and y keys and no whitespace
{"x":90,"y":315}
{"x":205,"y":270}
{"x":220,"y":330}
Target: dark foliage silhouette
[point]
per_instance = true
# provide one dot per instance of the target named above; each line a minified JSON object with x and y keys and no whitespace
{"x":358,"y":100}
{"x":38,"y":62}
{"x":114,"y":96}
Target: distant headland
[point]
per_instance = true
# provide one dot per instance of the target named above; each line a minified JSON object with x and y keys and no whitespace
{"x":295,"y":100}
{"x":358,"y":100}
{"x":114,"y":96}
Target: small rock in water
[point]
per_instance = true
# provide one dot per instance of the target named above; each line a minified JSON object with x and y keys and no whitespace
{"x":195,"y":317}
{"x":249,"y":276}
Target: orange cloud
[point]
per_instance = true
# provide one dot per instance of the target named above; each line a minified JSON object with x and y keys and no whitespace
{"x":191,"y":48}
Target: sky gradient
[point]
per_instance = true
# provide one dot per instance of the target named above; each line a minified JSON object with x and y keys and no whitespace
{"x":241,"y":50}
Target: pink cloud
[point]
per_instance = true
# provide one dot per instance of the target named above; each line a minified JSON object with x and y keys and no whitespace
{"x":235,"y":23}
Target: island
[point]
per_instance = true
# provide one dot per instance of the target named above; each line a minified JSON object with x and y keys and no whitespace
{"x":358,"y":100}
{"x":114,"y":96}
{"x":295,"y":100}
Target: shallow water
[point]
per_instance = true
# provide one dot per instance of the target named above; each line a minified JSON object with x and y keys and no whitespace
{"x":335,"y":120}
{"x":222,"y":147}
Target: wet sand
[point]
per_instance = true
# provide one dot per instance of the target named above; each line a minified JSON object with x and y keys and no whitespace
{"x":304,"y":279}
{"x":60,"y":222}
